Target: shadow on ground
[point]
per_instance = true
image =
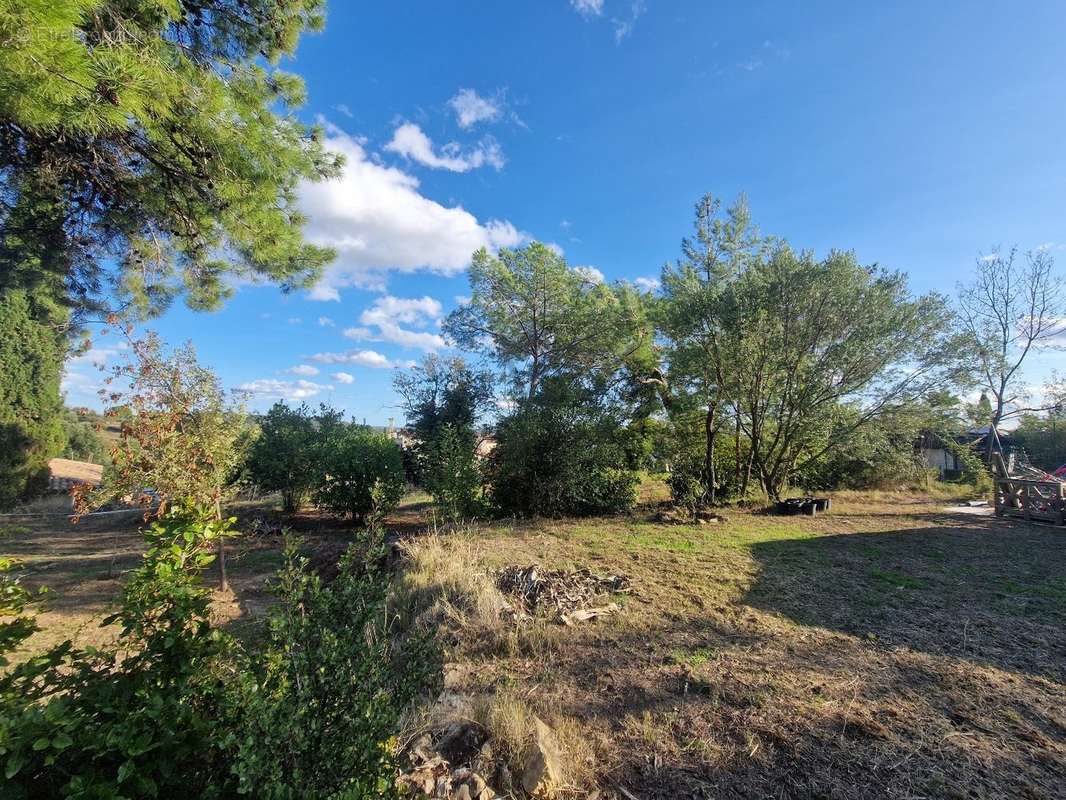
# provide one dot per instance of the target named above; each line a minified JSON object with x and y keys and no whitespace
{"x":986,"y":591}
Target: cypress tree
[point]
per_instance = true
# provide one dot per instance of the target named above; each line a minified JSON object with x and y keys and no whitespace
{"x":31,"y":429}
{"x":34,"y":336}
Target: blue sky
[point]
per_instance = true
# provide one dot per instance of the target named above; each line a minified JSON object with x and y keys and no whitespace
{"x":917,"y":134}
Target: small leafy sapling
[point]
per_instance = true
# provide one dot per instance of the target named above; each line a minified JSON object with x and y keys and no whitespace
{"x":181,"y":439}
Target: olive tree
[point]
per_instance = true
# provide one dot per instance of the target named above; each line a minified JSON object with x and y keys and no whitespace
{"x":784,"y":339}
{"x":1010,"y":308}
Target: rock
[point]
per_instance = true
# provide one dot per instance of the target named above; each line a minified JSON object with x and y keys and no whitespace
{"x":543,"y":768}
{"x":504,"y":781}
{"x":453,"y":705}
{"x":585,"y":614}
{"x":460,"y":742}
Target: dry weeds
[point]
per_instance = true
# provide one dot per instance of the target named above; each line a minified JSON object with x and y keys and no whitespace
{"x":890,"y":649}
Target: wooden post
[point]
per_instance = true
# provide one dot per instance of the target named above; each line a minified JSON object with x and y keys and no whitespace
{"x":1026,"y":502}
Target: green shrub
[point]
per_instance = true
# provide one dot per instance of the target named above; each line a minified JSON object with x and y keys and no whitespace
{"x":361,"y":472}
{"x":179,"y":709}
{"x":286,"y":456}
{"x":320,"y":716}
{"x":84,"y":443}
{"x":453,"y":475}
{"x":686,"y":481}
{"x":147,"y":718}
{"x":558,"y":460}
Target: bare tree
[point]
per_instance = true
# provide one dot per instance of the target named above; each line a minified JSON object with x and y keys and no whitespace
{"x":1011,"y":307}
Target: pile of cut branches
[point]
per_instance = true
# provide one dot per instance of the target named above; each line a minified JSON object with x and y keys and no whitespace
{"x":563,"y":595}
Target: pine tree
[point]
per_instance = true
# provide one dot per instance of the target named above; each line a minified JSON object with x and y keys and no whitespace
{"x":169,"y":132}
{"x":148,"y":148}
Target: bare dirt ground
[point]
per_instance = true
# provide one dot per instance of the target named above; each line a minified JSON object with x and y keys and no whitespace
{"x":82,"y":565}
{"x":893,"y":648}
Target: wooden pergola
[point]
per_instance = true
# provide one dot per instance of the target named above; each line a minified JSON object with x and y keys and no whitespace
{"x":1031,"y":499}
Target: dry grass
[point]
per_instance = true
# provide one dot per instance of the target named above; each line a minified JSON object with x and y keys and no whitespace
{"x":510,"y":717}
{"x":447,"y":580}
{"x":83,"y":566}
{"x":889,"y":649}
{"x":451,"y":588}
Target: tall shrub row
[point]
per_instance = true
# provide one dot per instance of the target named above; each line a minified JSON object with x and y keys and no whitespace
{"x":343,"y":467}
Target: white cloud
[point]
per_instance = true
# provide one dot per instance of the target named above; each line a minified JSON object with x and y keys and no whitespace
{"x":283,"y":390}
{"x":388,"y":312}
{"x":555,"y":248}
{"x":343,"y":377}
{"x":303,"y":369}
{"x":378,"y":222}
{"x":389,"y":332}
{"x":294,"y":321}
{"x":1056,"y":336}
{"x":411,"y":142}
{"x":412,"y":310}
{"x":83,"y":375}
{"x":471,"y":108}
{"x":359,"y":334}
{"x":587,"y":8}
{"x":623,"y":26}
{"x":364,"y":358}
{"x":326,"y":322}
{"x":647,"y":284}
{"x":590,"y":274}
{"x":96,"y":356}
{"x":341,"y":107}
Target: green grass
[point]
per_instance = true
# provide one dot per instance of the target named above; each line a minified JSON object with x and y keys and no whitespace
{"x":693,"y":658}
{"x":1047,"y":590}
{"x":897,"y":579}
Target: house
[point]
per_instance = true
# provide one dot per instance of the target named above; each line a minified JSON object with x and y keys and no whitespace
{"x":942,"y":453}
{"x":64,"y":474}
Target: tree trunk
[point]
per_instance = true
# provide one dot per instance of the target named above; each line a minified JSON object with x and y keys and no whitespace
{"x":736,"y":454}
{"x":534,"y":378}
{"x":747,"y":474}
{"x":710,"y":477}
{"x":223,"y":584}
{"x":993,"y":425}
